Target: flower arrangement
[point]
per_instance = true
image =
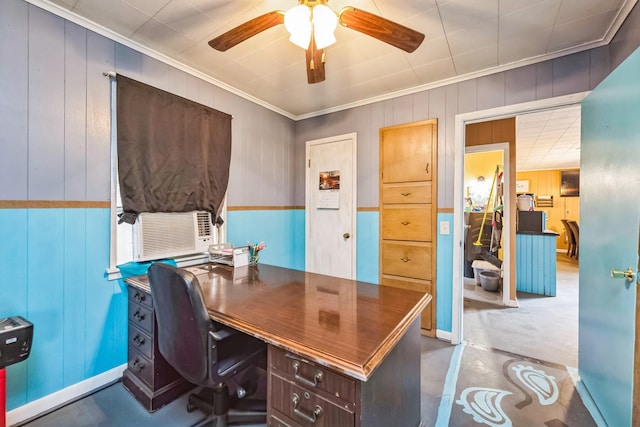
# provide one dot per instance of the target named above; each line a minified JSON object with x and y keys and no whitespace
{"x":254,"y":249}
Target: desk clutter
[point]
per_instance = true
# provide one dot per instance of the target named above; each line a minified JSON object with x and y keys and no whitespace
{"x":226,"y":254}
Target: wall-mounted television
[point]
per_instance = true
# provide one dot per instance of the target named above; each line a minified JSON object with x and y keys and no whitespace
{"x":570,"y":183}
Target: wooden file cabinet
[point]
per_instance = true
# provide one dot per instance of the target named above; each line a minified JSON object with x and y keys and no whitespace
{"x":149,"y":377}
{"x":408,"y":210}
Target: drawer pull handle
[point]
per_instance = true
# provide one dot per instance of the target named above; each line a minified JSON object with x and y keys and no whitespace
{"x":405,"y":259}
{"x":310,"y":418}
{"x":139,"y":297}
{"x":138,"y":340}
{"x":137,"y":365}
{"x":405,"y":222}
{"x":139,"y":317}
{"x":317,"y":378}
{"x":405,"y":194}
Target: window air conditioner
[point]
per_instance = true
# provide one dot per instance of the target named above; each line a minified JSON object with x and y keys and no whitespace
{"x":168,"y":235}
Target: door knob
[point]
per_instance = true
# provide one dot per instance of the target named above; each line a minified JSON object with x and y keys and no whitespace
{"x":626,"y":274}
{"x":346,"y":235}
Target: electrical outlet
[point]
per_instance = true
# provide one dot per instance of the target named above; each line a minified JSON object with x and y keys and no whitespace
{"x":444,"y":227}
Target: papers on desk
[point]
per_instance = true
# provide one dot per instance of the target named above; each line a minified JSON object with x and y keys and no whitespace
{"x":228,"y":255}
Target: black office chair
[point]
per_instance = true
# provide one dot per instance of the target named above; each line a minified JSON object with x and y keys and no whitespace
{"x":205,"y":352}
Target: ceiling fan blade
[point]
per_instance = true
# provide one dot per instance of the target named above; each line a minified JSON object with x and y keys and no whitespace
{"x":248,"y":29}
{"x":315,"y":63}
{"x":380,"y":28}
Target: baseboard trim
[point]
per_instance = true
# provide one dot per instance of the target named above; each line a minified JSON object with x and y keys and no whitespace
{"x":443,"y":335}
{"x":587,"y":400}
{"x":55,"y":400}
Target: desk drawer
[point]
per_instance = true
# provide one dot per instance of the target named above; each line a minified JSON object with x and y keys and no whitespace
{"x":306,"y":408}
{"x":140,"y":341}
{"x":140,"y":297}
{"x":141,"y":367}
{"x":142,"y":317}
{"x":312,"y":376}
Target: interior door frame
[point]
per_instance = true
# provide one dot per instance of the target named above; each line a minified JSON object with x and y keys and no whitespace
{"x":353,"y":136}
{"x":461,"y":120}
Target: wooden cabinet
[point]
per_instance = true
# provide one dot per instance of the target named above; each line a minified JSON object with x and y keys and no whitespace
{"x":149,"y":377}
{"x":408,"y":211}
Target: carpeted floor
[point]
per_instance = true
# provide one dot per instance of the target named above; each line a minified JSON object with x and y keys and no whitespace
{"x":497,"y":388}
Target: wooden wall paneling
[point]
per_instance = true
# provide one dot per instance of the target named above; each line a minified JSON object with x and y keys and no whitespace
{"x":544,"y":80}
{"x":420,"y":106}
{"x":100,"y":58}
{"x":128,"y":62}
{"x":571,"y":74}
{"x":46,"y":101}
{"x":45,"y":298}
{"x":75,"y":107}
{"x":467,"y":97}
{"x":14,"y":87}
{"x":520,"y":85}
{"x":449,"y":126}
{"x":403,"y":109}
{"x":74,"y":295}
{"x":491,"y":91}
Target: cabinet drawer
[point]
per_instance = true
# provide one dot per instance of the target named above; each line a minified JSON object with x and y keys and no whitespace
{"x":406,"y":193}
{"x":141,"y":316}
{"x":407,"y":259}
{"x":307,"y":408}
{"x":141,"y":367}
{"x":140,"y":341}
{"x":407,"y":222}
{"x":274,"y":421}
{"x":312,"y":376}
{"x":426,"y":320}
{"x":140,"y":297}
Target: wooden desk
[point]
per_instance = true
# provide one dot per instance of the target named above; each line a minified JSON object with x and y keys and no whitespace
{"x":351,"y":348}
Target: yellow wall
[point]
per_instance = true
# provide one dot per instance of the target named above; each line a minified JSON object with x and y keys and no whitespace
{"x":547,"y":183}
{"x":481,"y":164}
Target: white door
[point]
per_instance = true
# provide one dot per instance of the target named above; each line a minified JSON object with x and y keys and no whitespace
{"x":330,"y":206}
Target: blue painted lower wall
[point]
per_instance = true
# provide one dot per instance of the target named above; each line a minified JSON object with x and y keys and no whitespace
{"x":53,"y":273}
{"x":54,"y":260}
{"x":284,"y":232}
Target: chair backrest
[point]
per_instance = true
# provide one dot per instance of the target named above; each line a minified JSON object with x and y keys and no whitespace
{"x":567,"y":229}
{"x":183,"y":321}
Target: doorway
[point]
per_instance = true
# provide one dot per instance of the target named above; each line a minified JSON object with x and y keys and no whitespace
{"x":486,"y":250}
{"x":461,"y":121}
{"x":330,"y":206}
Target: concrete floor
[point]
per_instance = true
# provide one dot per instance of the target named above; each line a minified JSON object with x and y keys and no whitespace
{"x":545,"y":328}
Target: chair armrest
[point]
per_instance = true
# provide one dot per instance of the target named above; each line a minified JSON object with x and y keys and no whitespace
{"x":222,"y":334}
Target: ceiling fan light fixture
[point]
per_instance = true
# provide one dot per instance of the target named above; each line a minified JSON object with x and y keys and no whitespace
{"x":324,"y":24}
{"x":297,"y":21}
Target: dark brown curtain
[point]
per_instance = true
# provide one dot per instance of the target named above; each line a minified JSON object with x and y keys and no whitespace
{"x":173,"y":154}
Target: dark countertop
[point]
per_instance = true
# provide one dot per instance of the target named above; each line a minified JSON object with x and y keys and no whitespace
{"x":540,"y":233}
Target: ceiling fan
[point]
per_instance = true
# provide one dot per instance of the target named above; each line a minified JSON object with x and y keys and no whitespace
{"x":311,"y":25}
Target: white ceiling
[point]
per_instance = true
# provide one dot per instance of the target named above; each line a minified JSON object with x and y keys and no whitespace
{"x":464,"y":39}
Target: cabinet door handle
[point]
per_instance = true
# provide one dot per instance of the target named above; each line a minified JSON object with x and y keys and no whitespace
{"x":405,"y":222}
{"x":317,"y":378}
{"x":138,"y":340}
{"x":137,"y":365}
{"x":405,"y":259}
{"x":310,"y":418}
{"x":427,"y":167}
{"x":405,"y":194}
{"x":139,"y":317}
{"x":138,"y":297}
